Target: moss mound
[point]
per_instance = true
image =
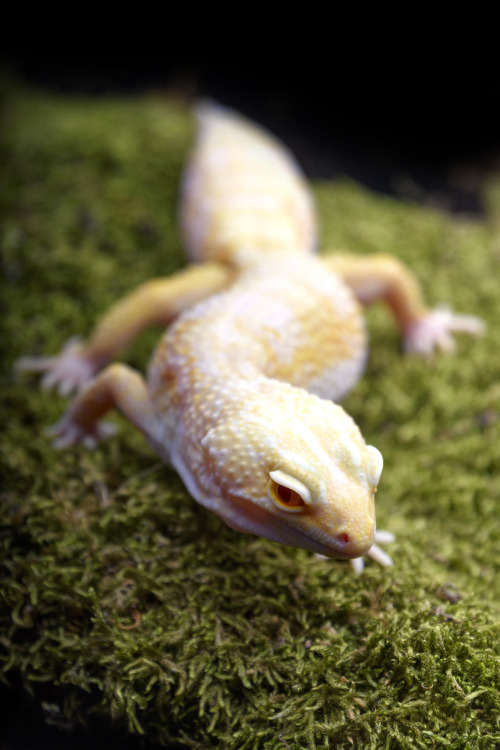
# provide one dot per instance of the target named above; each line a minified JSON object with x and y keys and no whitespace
{"x":122,"y":598}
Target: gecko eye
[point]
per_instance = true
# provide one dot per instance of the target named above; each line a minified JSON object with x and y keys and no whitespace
{"x":285,"y":497}
{"x":287,"y":493}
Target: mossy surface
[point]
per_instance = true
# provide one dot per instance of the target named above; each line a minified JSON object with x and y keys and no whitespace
{"x":121,"y":597}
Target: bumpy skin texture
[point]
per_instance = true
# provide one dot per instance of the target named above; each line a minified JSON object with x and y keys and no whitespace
{"x":240,"y":391}
{"x":233,"y":371}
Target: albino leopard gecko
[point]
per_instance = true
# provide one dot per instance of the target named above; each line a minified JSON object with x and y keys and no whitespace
{"x":240,"y":391}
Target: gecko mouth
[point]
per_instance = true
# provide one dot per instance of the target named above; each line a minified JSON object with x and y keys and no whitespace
{"x":241,"y":514}
{"x":251,"y":519}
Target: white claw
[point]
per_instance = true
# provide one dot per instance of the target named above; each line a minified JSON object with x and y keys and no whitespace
{"x":384,"y":537}
{"x":358,"y":565}
{"x":381,"y":557}
{"x":89,"y":442}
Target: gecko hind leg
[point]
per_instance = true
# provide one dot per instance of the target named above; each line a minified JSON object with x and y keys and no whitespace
{"x":118,"y":386}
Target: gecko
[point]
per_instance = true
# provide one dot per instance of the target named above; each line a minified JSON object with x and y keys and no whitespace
{"x":263,"y":339}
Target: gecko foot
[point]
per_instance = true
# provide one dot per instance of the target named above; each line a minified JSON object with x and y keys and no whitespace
{"x":68,"y":432}
{"x":434,"y":331}
{"x":68,"y":371}
{"x":375,"y":552}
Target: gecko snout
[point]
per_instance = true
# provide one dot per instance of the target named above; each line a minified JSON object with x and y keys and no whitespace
{"x":351,"y":545}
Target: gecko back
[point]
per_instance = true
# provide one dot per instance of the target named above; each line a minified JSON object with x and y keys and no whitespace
{"x":243,"y":194}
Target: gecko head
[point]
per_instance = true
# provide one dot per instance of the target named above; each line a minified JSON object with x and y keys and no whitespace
{"x":296,"y":470}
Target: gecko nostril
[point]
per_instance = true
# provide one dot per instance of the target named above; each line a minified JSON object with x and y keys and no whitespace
{"x":344,"y":538}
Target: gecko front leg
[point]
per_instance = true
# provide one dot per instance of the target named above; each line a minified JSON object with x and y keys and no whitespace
{"x":117,"y":386}
{"x":156,"y":302}
{"x":384,"y":278}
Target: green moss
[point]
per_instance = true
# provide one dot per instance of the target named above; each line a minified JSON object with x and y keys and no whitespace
{"x":132,"y":603}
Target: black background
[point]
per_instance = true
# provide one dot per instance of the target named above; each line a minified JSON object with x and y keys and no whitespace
{"x":409,"y":123}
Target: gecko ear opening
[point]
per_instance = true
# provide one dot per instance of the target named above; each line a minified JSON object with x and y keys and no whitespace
{"x":287,"y":493}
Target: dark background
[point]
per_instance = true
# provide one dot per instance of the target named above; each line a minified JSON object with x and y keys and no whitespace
{"x":419,"y":127}
{"x":397,"y":117}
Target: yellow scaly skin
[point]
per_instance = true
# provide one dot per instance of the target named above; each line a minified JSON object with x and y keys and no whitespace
{"x":240,"y":390}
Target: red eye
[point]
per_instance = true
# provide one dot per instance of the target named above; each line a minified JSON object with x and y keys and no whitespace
{"x":285,"y":497}
{"x":288,"y":496}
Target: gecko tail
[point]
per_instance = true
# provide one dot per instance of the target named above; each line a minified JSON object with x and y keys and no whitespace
{"x":207,"y":111}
